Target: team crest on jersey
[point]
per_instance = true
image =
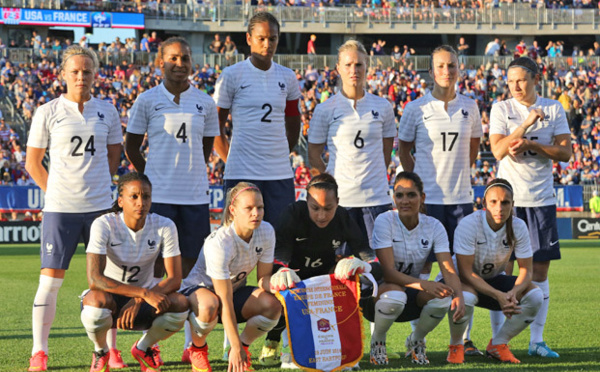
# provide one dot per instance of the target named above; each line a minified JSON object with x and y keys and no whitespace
{"x":375,"y":114}
{"x":335,"y":244}
{"x":258,"y":250}
{"x":425,"y":243}
{"x":464,"y":113}
{"x":101,"y":116}
{"x":505,"y":244}
{"x":282,"y":86}
{"x":199,"y":108}
{"x":546,"y":117}
{"x":49,"y":248}
{"x":152,"y":244}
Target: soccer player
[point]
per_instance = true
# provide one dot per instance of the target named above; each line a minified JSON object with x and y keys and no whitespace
{"x":403,"y":240}
{"x":216,"y":287}
{"x":358,"y":129}
{"x":262,"y":98}
{"x":124,"y":245}
{"x":444,"y":129}
{"x":84,"y":139}
{"x":527,"y":133}
{"x":181,"y":123}
{"x":483,"y":243}
{"x":311,"y":236}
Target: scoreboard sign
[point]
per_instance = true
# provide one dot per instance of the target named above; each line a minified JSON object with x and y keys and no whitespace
{"x":586,"y":228}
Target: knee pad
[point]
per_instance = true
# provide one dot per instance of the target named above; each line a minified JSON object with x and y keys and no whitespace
{"x":50,"y":284}
{"x":391,"y":303}
{"x":172,"y":321}
{"x":532,"y":300}
{"x":470,"y":299}
{"x":95,"y":319}
{"x":201,"y":328}
{"x":262,"y":323}
{"x":440,"y":303}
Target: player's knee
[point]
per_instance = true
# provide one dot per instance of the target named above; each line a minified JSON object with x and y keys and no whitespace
{"x":391,"y":303}
{"x":440,"y":303}
{"x":173,"y":320}
{"x":471,"y":299}
{"x":95,"y":319}
{"x":199,"y":327}
{"x":206,"y":308}
{"x":262,"y":323}
{"x":99,"y":299}
{"x":179,"y":303}
{"x":533,"y":299}
{"x":270,"y":306}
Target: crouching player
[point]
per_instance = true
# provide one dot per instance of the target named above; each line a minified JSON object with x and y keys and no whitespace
{"x":403,"y":240}
{"x":216,"y":286}
{"x":483,"y":243}
{"x":123,"y":247}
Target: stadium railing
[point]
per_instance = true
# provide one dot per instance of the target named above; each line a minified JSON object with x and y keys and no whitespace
{"x":503,"y":14}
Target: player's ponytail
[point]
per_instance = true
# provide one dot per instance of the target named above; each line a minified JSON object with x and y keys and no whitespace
{"x":232,"y":195}
{"x":124,"y":180}
{"x":510,"y":232}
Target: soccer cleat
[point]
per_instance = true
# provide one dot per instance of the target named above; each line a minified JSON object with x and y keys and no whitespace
{"x":248,"y":366}
{"x":471,"y":349}
{"x":378,"y":353}
{"x":501,"y":352}
{"x":541,"y":349}
{"x":286,"y":359}
{"x":115,"y":360}
{"x":38,"y":362}
{"x":199,"y":358}
{"x":269,"y":355}
{"x":185,"y":357}
{"x":145,"y":358}
{"x":456,"y":354}
{"x":157,"y":357}
{"x":100,"y":361}
{"x":416,"y":351}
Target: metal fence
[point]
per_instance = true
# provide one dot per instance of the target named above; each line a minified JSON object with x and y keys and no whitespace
{"x":218,"y":11}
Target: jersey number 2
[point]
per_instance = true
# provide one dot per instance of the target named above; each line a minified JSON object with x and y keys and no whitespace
{"x":266,"y":115}
{"x":133,"y":270}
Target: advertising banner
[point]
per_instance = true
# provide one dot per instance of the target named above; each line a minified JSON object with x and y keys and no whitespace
{"x":70,"y":18}
{"x":586,"y":228}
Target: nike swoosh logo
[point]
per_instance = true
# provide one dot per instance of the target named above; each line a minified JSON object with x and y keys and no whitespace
{"x":58,"y":121}
{"x":480,"y":242}
{"x":115,"y":244}
{"x":554,"y":243}
{"x":529,"y":321}
{"x":509,"y":118}
{"x":437,"y":317}
{"x":300,"y":239}
{"x":396,"y":241}
{"x":36,"y":305}
{"x":427,"y":117}
{"x":337,"y":117}
{"x":244,"y":86}
{"x":159,"y":108}
{"x":168,"y":330}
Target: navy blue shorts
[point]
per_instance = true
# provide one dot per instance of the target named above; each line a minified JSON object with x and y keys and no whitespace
{"x":449,"y":215}
{"x":502,"y":283}
{"x":61,"y":233}
{"x":240,"y":296}
{"x":411,"y":311}
{"x":277,"y":195}
{"x":193,"y":225}
{"x":143,"y":319}
{"x":365,"y":218}
{"x":543,"y":231}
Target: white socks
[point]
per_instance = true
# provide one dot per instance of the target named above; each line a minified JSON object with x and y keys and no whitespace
{"x":496,"y":320}
{"x":163,"y":327}
{"x":256,"y":327}
{"x":44,"y":310}
{"x":530,"y":305}
{"x":432,"y":314}
{"x":537,"y":327}
{"x":459,"y":329}
{"x":111,"y":338}
{"x":200,"y":328}
{"x":389,"y":307}
{"x":97,"y":322}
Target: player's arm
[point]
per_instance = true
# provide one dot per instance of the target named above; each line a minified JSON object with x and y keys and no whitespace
{"x":224,"y":290}
{"x":388,"y":145}
{"x":406,"y":158}
{"x":207,"y":147}
{"x":559,"y":151}
{"x":96,"y":264}
{"x":474,"y":149}
{"x":114,"y":157}
{"x":525,"y":276}
{"x":451,"y":278}
{"x":292,"y":123}
{"x":263,"y":275}
{"x":172,"y":282}
{"x":501,"y":143}
{"x":133,"y":145}
{"x":34,"y":166}
{"x":220,"y":142}
{"x":315,"y":150}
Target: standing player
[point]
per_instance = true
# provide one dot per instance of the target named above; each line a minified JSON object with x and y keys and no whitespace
{"x":444,"y":129}
{"x":310,"y":235}
{"x":483,"y":243}
{"x":124,"y":245}
{"x":84,"y":136}
{"x":262,"y":98}
{"x":217,"y":288}
{"x":181,"y":123}
{"x":403,"y":240}
{"x":358,"y":129}
{"x":527,"y":133}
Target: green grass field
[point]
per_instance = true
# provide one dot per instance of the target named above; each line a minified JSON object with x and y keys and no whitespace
{"x":572,"y":330}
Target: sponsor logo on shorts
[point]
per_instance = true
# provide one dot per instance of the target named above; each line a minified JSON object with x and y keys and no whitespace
{"x":300,"y":239}
{"x":49,"y":248}
{"x":552,"y":244}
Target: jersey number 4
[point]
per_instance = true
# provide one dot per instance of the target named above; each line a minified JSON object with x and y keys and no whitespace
{"x":405,"y":270}
{"x":89,"y":146}
{"x":182,"y":133}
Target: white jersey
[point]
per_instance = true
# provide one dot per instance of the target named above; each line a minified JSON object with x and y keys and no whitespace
{"x":411,"y":247}
{"x":257,"y":100}
{"x":176,"y":165}
{"x":442,"y":145}
{"x":227,"y":256}
{"x":130,"y":255}
{"x":530,"y":174}
{"x":474,"y":236}
{"x":354,"y":140}
{"x":78,"y":177}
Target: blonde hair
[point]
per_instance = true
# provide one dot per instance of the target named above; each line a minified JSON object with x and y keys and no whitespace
{"x":78,"y":50}
{"x":352,"y":44}
{"x":232,"y":195}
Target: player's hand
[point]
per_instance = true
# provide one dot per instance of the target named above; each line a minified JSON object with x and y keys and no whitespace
{"x":237,"y":360}
{"x":534,"y":115}
{"x":439,"y":290}
{"x":158,"y":301}
{"x":283,"y":279}
{"x":458,"y":306}
{"x":518,"y":146}
{"x":508,"y":304}
{"x":128,"y":313}
{"x":349,"y":266}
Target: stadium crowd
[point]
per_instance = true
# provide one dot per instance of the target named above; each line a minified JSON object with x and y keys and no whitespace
{"x":576,"y":87}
